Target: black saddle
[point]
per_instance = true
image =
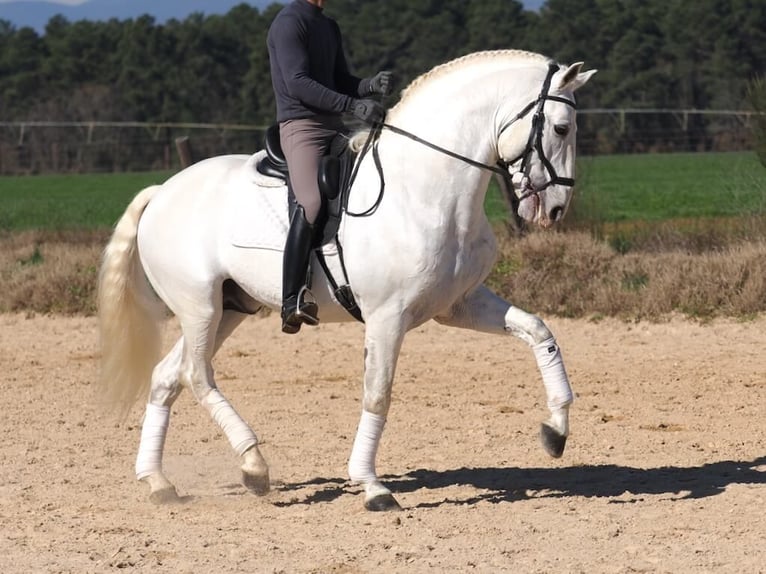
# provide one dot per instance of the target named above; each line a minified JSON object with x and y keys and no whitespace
{"x":273,"y":164}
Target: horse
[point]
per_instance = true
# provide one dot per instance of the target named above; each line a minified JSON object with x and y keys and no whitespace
{"x":413,"y":242}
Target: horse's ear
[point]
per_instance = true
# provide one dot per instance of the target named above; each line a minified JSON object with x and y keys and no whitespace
{"x":573,"y":78}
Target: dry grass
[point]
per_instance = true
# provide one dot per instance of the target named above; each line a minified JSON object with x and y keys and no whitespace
{"x":573,"y":275}
{"x":50,"y":272}
{"x":560,"y":273}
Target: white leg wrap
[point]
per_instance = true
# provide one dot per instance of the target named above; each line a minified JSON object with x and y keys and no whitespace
{"x":240,"y":435}
{"x":153,"y":433}
{"x":361,"y":465}
{"x":555,"y":378}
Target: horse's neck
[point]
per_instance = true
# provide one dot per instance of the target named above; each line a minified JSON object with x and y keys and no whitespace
{"x":463,"y":126}
{"x":459,"y":111}
{"x":459,"y":117}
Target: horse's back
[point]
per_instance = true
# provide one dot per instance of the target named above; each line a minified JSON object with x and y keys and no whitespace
{"x":188,"y":202}
{"x":218,"y":219}
{"x":179,"y":229}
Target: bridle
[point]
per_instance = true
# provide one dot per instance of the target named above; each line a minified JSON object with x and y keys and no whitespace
{"x":503,"y":166}
{"x":535,"y":141}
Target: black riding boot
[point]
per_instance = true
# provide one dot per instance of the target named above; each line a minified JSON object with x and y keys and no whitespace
{"x":295,"y":264}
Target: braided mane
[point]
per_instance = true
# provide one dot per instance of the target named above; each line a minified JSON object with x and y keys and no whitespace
{"x":517,"y":56}
{"x":467,"y":60}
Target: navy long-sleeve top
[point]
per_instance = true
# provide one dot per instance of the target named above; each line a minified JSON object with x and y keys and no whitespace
{"x":309,"y":72}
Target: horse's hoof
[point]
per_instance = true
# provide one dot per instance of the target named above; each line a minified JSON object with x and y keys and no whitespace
{"x":382,"y":502}
{"x":257,"y":483}
{"x":553,"y":441}
{"x":167,"y":495}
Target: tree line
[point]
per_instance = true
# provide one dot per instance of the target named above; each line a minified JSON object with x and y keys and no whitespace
{"x":214,"y":69}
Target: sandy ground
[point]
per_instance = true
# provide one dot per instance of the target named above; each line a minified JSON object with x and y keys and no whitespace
{"x":665,"y":470}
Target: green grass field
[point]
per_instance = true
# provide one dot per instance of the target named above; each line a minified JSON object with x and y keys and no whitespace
{"x":655,"y":187}
{"x":649,"y":187}
{"x":672,"y":186}
{"x":69,"y":201}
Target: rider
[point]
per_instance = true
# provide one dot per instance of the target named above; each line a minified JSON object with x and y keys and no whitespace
{"x":313,"y":87}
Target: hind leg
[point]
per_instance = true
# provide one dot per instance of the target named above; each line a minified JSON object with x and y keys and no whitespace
{"x":255,"y":470}
{"x":182,"y":367}
{"x":164,"y":391}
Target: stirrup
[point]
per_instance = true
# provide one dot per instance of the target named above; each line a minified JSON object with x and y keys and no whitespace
{"x":297,"y":310}
{"x":307,"y":311}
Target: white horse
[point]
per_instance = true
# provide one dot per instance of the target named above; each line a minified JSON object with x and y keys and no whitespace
{"x":422,"y":253}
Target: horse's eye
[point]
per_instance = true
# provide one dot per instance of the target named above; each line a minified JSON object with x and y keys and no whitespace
{"x":561,"y":129}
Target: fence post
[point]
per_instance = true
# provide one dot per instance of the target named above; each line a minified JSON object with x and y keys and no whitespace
{"x":184,"y":151}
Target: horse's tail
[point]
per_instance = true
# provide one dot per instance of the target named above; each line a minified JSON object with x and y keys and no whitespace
{"x":129,"y":313}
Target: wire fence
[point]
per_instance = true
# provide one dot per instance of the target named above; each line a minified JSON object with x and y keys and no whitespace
{"x":82,"y":147}
{"x":609,"y":131}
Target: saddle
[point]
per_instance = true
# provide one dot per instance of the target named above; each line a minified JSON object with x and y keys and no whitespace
{"x":333,"y":177}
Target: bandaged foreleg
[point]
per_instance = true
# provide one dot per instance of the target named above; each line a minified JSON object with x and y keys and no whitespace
{"x":555,"y":378}
{"x":361,"y":465}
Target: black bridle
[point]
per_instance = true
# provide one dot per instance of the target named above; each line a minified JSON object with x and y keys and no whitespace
{"x":535,"y":141}
{"x":502,"y":167}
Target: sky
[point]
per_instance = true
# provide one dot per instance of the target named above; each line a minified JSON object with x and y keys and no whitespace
{"x":66,"y":2}
{"x":36,"y":13}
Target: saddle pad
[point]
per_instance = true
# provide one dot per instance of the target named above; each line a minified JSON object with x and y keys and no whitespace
{"x":257,"y":210}
{"x":258,"y":178}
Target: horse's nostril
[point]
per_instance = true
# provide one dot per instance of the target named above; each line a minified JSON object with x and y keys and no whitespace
{"x":557,"y":213}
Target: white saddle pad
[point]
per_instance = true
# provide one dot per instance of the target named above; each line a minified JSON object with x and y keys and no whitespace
{"x":257,"y":210}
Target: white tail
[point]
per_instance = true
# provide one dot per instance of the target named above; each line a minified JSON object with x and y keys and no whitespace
{"x":129,"y":313}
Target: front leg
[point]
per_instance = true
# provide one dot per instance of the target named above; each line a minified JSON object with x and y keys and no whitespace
{"x":482,"y":310}
{"x":383,"y":341}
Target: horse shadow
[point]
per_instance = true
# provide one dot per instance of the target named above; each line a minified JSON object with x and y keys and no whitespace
{"x":497,"y":485}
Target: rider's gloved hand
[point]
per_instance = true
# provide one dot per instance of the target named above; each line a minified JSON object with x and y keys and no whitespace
{"x":381,"y":83}
{"x":369,"y":111}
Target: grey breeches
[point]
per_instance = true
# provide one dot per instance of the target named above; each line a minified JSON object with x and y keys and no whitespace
{"x":304,"y":142}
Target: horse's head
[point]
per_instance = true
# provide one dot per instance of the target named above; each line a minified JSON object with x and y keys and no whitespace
{"x":537,"y":145}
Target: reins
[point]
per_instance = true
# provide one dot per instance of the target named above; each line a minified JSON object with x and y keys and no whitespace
{"x":494,"y":168}
{"x":372,"y":140}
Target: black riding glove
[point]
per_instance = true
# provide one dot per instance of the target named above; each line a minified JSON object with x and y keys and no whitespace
{"x":380,"y":83}
{"x":369,"y":111}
